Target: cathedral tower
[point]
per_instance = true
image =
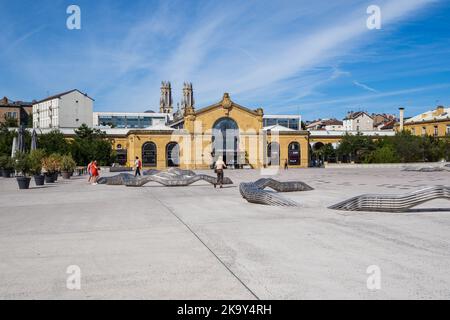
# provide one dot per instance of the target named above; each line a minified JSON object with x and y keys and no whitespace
{"x":165,"y":103}
{"x":187,"y":102}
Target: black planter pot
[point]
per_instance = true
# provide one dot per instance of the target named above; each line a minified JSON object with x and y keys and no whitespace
{"x":23,"y":182}
{"x":66,"y":174}
{"x":49,"y":178}
{"x":55,"y":177}
{"x":6,"y":173}
{"x":39,"y":180}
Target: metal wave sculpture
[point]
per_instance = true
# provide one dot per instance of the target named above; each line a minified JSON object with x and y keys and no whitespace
{"x":393,"y":203}
{"x":118,"y":180}
{"x":171,"y":178}
{"x":428,"y":169}
{"x":254,"y":192}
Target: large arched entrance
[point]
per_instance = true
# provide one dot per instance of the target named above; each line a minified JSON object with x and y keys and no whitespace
{"x":173,"y":154}
{"x":149,"y":154}
{"x":294,"y":154}
{"x":273,"y":154}
{"x":225,"y":141}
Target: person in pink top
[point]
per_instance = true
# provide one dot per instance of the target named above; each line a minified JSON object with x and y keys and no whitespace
{"x":89,"y":167}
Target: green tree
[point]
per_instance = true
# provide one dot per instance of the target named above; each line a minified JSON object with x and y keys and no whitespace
{"x":53,"y":142}
{"x":383,"y":154}
{"x":356,"y":147}
{"x":408,"y":148}
{"x":11,"y":122}
{"x":6,"y":140}
{"x":91,"y":144}
{"x":30,"y":120}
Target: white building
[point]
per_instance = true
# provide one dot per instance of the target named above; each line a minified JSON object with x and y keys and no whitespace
{"x":358,"y":121}
{"x":69,"y":109}
{"x":130,"y":119}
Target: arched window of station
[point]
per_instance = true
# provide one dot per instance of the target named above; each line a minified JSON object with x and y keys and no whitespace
{"x":225,"y":141}
{"x":273,"y":154}
{"x":294,"y":158}
{"x":173,"y":154}
{"x":149,"y":154}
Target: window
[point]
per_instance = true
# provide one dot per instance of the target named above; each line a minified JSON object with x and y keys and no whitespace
{"x":132,"y":122}
{"x":225,"y":140}
{"x":436,"y":131}
{"x":273,"y":154}
{"x":119,"y":146}
{"x":424,"y":131}
{"x":284,"y":122}
{"x":447,"y":131}
{"x":11,"y":115}
{"x":293,"y":124}
{"x":149,"y":154}
{"x":269,"y":122}
{"x":294,"y":154}
{"x":173,"y":154}
{"x":145,"y":122}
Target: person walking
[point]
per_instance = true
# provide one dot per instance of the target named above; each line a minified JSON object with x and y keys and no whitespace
{"x":95,"y":172}
{"x":138,"y":166}
{"x":219,"y":167}
{"x":89,"y":168}
{"x":286,"y":165}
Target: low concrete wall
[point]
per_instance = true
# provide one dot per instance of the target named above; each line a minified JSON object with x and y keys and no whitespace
{"x":384,"y":165}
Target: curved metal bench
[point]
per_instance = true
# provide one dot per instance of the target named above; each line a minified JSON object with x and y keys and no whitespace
{"x":393,"y":203}
{"x":174,"y":181}
{"x":170,"y":178}
{"x":254,"y":192}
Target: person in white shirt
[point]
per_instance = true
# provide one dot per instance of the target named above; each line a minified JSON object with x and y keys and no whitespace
{"x":219,"y":167}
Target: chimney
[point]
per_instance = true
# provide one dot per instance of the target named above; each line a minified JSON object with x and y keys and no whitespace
{"x":439,"y":110}
{"x":402,"y":118}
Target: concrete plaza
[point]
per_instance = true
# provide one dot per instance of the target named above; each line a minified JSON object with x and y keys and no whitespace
{"x":198,"y":242}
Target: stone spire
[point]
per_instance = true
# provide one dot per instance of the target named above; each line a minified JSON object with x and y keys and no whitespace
{"x":165,"y":103}
{"x":187,"y":102}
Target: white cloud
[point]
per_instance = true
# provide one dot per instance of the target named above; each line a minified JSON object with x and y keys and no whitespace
{"x":364,"y":86}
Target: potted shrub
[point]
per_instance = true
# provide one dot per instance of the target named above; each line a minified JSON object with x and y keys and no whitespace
{"x":36,"y":157}
{"x":6,"y":166}
{"x":56,"y":158}
{"x":23,"y":168}
{"x":68,"y":165}
{"x":50,"y":166}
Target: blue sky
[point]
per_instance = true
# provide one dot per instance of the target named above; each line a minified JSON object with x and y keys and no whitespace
{"x":316,"y":58}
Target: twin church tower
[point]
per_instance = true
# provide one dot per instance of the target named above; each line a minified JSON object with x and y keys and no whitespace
{"x":166,"y":101}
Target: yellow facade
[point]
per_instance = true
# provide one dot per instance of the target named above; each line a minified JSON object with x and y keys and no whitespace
{"x":432,"y":123}
{"x":195,"y":139}
{"x":432,"y":128}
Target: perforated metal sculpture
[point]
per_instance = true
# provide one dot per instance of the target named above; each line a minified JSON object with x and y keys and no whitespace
{"x":393,"y":203}
{"x":171,"y":178}
{"x":254,"y":192}
{"x":428,"y":169}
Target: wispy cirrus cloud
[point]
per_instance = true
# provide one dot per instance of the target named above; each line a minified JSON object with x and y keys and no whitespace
{"x":364,"y":86}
